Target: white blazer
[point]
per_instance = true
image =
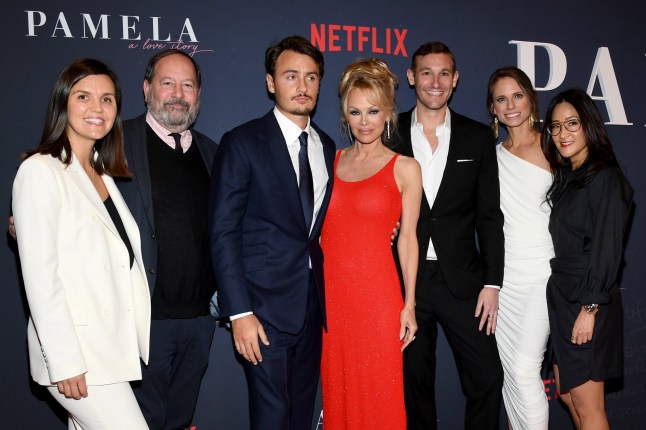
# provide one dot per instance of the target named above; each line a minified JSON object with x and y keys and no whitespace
{"x":90,"y":313}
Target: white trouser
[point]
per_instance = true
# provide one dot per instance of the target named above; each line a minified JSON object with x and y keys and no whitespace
{"x":107,"y":407}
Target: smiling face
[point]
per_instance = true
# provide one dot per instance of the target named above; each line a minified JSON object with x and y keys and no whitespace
{"x":434,"y":80}
{"x":510,"y":104}
{"x":570,"y":144}
{"x":91,"y":109}
{"x":366,"y":120}
{"x":295,"y":85}
{"x":173,"y":95}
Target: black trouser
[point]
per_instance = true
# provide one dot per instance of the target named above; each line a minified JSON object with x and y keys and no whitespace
{"x":475,"y":354}
{"x":179,"y":355}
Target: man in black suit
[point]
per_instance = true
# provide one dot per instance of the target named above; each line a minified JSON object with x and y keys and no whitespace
{"x":270,"y":189}
{"x":168,"y":197}
{"x":458,"y":280}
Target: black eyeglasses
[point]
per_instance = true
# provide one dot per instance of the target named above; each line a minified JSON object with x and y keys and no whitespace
{"x":571,"y":125}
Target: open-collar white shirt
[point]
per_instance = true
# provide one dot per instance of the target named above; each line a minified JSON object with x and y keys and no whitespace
{"x":432,"y":163}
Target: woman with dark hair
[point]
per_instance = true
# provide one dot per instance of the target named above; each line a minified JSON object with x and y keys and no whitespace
{"x":374,"y":188}
{"x":523,"y":328}
{"x":80,"y":255}
{"x":591,"y":201}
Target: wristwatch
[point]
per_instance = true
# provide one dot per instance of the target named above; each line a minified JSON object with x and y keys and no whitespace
{"x":591,"y":308}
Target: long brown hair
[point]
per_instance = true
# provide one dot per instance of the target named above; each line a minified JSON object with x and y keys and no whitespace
{"x":110,"y":157}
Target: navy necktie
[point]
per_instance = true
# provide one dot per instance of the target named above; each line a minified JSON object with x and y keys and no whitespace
{"x":305,"y":182}
{"x":178,"y":142}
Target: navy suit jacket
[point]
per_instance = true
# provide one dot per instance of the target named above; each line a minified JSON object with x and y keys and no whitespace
{"x":136,"y":190}
{"x":259,"y":243}
{"x":467,"y":202}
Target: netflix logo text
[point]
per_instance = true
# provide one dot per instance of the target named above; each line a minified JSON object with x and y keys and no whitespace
{"x":357,"y":38}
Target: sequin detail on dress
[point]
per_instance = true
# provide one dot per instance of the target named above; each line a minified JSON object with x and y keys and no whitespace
{"x":361,"y":368}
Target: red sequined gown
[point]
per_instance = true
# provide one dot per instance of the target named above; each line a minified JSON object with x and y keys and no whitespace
{"x":361,"y":367}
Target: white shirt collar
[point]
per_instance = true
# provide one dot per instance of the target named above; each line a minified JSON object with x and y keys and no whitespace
{"x":446,"y":123}
{"x":290,"y":130}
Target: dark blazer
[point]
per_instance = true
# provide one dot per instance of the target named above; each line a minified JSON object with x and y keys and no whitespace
{"x":136,"y":190}
{"x":468,"y":201}
{"x":259,"y":243}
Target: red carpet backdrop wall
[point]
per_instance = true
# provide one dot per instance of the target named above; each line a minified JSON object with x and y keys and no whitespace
{"x":597,"y":45}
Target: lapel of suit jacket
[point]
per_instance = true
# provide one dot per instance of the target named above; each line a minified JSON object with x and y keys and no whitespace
{"x":278,"y":156}
{"x":329,"y":152}
{"x":455,"y":146}
{"x":137,"y":155}
{"x":83,"y":184}
{"x":404,"y":146}
{"x":129,"y":223}
{"x":204,"y":152}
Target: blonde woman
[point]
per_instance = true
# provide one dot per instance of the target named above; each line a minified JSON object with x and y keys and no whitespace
{"x":368,"y":322}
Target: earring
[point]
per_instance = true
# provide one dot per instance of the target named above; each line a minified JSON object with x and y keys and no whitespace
{"x":387,"y":130}
{"x":495,"y":126}
{"x":350,"y":134}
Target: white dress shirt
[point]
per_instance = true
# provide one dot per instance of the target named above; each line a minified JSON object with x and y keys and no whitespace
{"x":291,"y":132}
{"x":432,"y":163}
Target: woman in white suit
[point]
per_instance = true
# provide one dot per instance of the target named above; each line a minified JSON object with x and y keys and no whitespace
{"x":81,"y":256}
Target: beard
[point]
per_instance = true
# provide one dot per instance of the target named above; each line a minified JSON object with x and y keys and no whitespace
{"x":302,"y":111}
{"x":170,"y":117}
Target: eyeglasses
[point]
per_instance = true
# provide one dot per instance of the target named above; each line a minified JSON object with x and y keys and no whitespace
{"x":571,"y":125}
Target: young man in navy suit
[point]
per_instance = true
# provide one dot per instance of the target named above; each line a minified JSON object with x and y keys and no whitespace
{"x":458,"y":280}
{"x":270,"y":188}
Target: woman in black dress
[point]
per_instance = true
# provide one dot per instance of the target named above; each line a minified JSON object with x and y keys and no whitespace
{"x":591,"y":201}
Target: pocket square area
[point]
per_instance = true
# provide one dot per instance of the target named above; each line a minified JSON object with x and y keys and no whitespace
{"x":464,"y":160}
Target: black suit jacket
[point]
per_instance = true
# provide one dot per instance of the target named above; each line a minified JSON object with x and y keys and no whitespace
{"x":467,"y":202}
{"x":136,"y":190}
{"x":259,"y":243}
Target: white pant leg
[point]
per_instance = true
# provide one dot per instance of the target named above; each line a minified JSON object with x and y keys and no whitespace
{"x":107,"y":407}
